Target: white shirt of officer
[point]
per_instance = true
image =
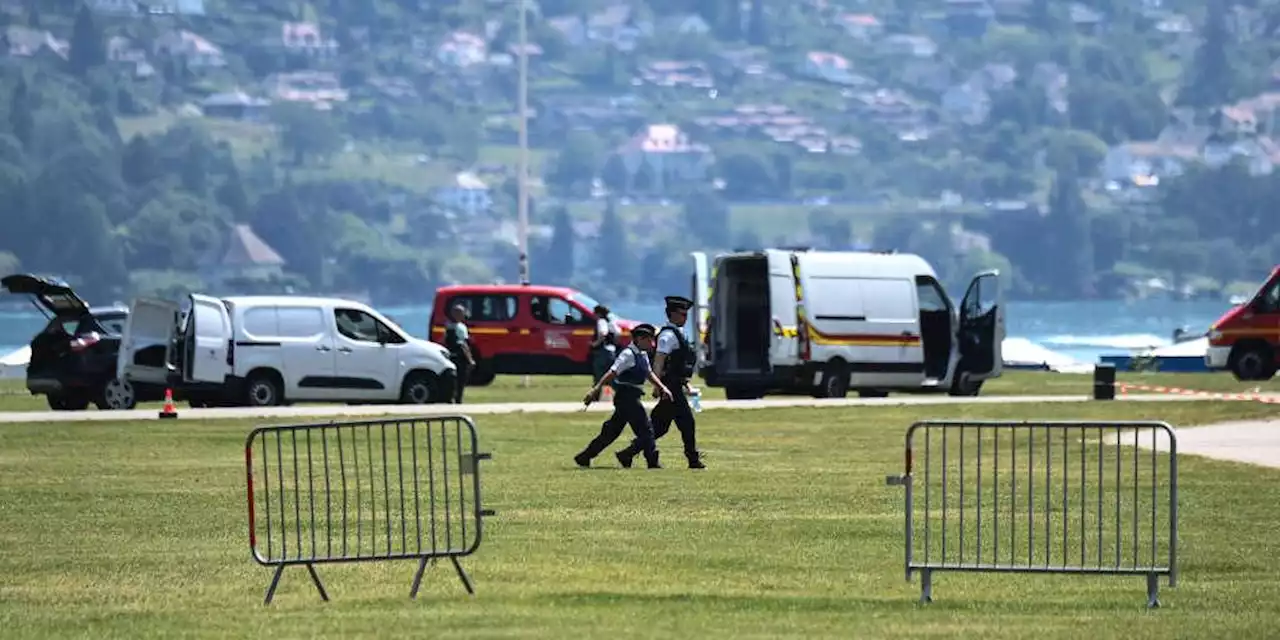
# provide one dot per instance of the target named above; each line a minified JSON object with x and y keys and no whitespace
{"x":627,"y":360}
{"x":606,"y":326}
{"x":667,"y":340}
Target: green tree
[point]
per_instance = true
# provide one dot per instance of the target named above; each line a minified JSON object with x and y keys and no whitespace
{"x":176,"y":231}
{"x":21,"y":119}
{"x":305,"y":132}
{"x":1210,"y":79}
{"x":706,"y":217}
{"x":557,"y":263}
{"x":88,"y":48}
{"x":612,"y":250}
{"x":757,"y":30}
{"x":1069,"y":227}
{"x":577,"y":163}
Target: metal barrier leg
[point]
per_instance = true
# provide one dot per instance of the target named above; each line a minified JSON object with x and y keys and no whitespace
{"x":275,"y":581}
{"x":1153,"y":591}
{"x":417,"y":578}
{"x":315,"y":577}
{"x":462,"y":575}
{"x":926,"y":586}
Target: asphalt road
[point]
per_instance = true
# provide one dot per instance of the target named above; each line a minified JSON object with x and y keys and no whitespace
{"x":339,"y":410}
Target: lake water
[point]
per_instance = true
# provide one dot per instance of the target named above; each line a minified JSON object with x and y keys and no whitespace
{"x":1081,"y":330}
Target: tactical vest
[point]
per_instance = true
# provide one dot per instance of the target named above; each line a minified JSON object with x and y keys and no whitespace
{"x":680,"y":363}
{"x":637,"y":375}
{"x":452,"y":340}
{"x":610,"y":338}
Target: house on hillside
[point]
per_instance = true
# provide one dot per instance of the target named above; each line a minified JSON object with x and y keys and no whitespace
{"x":689,"y":24}
{"x":860,"y":26}
{"x":1146,"y":162}
{"x":116,"y":7}
{"x":905,"y":45}
{"x":461,"y":50}
{"x":248,"y":257}
{"x":828,"y":67}
{"x":236,"y":105}
{"x":468,"y":194}
{"x":968,"y":103}
{"x":305,"y":38}
{"x":194,"y":50}
{"x":662,"y":159}
{"x":25,"y":42}
{"x":318,"y":88}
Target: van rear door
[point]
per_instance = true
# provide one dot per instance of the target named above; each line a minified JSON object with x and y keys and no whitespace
{"x":145,"y":346}
{"x":701,"y":295}
{"x":982,"y":328}
{"x":784,"y":349}
{"x":208,"y":341}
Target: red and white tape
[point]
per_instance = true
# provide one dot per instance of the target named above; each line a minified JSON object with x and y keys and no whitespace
{"x":1254,"y":396}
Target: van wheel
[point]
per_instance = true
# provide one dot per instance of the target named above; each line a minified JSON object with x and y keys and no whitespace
{"x":835,"y":381}
{"x":262,"y":390}
{"x":1253,"y":362}
{"x":69,"y":402}
{"x":117,"y":395}
{"x":420,"y":387}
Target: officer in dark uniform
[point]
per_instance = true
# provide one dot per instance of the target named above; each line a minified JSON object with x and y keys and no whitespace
{"x":674,"y":364}
{"x":627,"y":376}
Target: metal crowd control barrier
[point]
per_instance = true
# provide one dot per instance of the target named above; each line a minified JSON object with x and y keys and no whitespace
{"x":1044,"y":497}
{"x":364,"y":491}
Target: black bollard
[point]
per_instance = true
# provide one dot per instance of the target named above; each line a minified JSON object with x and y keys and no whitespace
{"x":1104,"y":382}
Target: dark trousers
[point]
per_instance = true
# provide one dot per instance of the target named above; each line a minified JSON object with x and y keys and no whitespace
{"x":464,"y":374}
{"x":678,"y":411}
{"x":627,"y":410}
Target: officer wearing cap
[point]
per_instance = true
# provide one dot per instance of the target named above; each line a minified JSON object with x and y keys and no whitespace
{"x":627,"y":376}
{"x":674,"y":364}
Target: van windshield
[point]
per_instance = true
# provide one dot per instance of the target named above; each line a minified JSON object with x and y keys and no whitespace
{"x":584,"y":300}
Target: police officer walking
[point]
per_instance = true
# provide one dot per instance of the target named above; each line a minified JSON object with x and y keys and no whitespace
{"x":674,"y":364}
{"x":627,"y":376}
{"x":457,"y":340}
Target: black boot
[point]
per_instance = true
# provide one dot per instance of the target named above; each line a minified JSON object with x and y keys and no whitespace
{"x":625,"y":456}
{"x":652,"y":461}
{"x":695,"y":460}
{"x":582,"y":460}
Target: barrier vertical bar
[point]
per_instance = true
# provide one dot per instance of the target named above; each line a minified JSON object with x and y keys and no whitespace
{"x":284,"y":533}
{"x":944,"y":495}
{"x":928,"y":465}
{"x":266,"y":496}
{"x":1083,"y":493}
{"x":417,"y":497}
{"x":1119,"y":487}
{"x":1031,"y":494}
{"x":962,"y":439}
{"x":1066,"y":522}
{"x":1135,"y":497}
{"x":1013,"y":495}
{"x":373,"y":495}
{"x":311,"y":495}
{"x":979,"y":560}
{"x":342,"y":473}
{"x":448,"y":520}
{"x":328,"y":495}
{"x":1155,"y":502}
{"x":1048,"y":500}
{"x":462,"y":491}
{"x":404,"y":544}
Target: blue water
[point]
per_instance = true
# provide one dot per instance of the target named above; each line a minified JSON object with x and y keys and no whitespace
{"x":1081,"y":330}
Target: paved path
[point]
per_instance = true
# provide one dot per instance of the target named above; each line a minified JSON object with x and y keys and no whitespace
{"x":1249,"y":441}
{"x":333,"y":411}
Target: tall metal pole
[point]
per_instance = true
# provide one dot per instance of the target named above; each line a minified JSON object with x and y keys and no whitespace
{"x":523,"y":205}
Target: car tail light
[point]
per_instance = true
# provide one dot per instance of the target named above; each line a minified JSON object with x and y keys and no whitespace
{"x":85,"y":341}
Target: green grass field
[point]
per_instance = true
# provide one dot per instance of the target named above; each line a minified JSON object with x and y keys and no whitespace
{"x":13,"y":396}
{"x":139,"y":530}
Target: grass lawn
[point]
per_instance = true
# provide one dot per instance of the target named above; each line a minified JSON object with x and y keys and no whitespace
{"x":13,"y":395}
{"x":138,"y":530}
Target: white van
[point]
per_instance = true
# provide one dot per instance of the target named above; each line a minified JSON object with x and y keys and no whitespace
{"x":271,"y":350}
{"x":822,"y":323}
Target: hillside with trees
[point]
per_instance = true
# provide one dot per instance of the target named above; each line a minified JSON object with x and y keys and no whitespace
{"x":1090,"y":149}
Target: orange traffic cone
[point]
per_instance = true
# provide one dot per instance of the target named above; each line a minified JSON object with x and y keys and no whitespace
{"x":169,"y":411}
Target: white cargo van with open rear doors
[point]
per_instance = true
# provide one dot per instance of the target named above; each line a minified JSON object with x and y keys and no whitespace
{"x":824,"y":323}
{"x":272,"y":350}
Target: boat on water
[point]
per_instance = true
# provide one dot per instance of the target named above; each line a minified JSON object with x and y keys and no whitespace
{"x":1180,"y":357}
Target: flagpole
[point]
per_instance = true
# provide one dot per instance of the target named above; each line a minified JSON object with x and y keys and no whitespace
{"x":522,"y":207}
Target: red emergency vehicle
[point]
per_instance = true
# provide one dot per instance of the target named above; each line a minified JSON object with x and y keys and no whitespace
{"x":1246,"y":339}
{"x":523,"y":329}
